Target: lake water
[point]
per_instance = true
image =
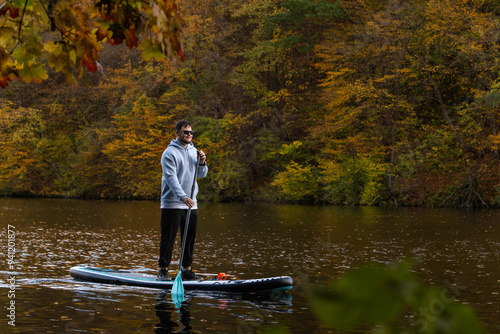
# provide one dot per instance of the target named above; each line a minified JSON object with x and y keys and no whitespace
{"x":312,"y":244}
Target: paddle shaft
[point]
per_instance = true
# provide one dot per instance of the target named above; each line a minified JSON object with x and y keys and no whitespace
{"x":188,"y":215}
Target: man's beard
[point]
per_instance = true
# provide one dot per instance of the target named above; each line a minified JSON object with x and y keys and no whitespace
{"x":184,"y":142}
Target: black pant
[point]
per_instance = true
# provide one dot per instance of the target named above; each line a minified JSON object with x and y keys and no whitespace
{"x":171,"y":219}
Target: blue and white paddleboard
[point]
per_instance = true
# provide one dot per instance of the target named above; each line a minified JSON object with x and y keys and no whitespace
{"x":123,"y":277}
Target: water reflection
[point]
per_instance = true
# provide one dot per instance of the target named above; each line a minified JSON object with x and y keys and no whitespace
{"x":177,"y":319}
{"x":165,"y":310}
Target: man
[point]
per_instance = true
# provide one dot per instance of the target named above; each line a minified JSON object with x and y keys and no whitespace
{"x":178,"y":164}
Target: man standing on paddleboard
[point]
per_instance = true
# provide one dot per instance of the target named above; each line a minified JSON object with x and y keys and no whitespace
{"x":178,"y":163}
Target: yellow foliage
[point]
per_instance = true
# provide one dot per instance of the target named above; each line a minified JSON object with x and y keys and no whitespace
{"x":495,"y":140}
{"x":297,"y":182}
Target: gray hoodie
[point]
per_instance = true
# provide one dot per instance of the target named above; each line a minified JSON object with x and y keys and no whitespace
{"x":178,"y":164}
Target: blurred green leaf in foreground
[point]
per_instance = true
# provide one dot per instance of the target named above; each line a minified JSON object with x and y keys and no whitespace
{"x":389,"y":299}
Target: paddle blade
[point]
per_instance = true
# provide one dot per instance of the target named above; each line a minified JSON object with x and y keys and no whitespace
{"x":178,"y":290}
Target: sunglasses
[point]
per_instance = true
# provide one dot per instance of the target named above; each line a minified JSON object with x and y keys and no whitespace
{"x":188,"y":132}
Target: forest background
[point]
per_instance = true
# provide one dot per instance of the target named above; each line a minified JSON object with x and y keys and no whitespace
{"x":354,"y":102}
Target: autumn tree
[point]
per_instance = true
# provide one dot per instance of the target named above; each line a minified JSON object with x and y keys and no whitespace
{"x":277,"y":78}
{"x":68,"y":35}
{"x":402,"y":86}
{"x":352,"y":102}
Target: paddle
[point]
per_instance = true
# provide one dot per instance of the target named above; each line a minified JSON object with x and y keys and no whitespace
{"x":178,"y":287}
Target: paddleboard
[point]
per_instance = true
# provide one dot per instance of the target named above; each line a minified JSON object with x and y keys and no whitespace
{"x":124,"y":277}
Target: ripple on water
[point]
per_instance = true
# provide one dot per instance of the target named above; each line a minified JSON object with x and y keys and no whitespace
{"x":311,"y":244}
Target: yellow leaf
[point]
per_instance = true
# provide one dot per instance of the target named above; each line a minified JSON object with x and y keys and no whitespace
{"x":72,"y":55}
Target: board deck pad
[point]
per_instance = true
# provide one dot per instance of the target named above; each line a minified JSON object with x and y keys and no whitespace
{"x":124,"y":277}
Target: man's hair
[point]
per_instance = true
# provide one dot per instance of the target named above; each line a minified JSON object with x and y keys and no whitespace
{"x":181,"y":124}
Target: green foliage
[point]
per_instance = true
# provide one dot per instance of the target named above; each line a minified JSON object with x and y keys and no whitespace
{"x":388,"y":299}
{"x":227,"y":181}
{"x":496,"y":200}
{"x":276,"y":330}
{"x":353,"y":181}
{"x":371,"y":295}
{"x":379,"y":296}
{"x":298,"y":14}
